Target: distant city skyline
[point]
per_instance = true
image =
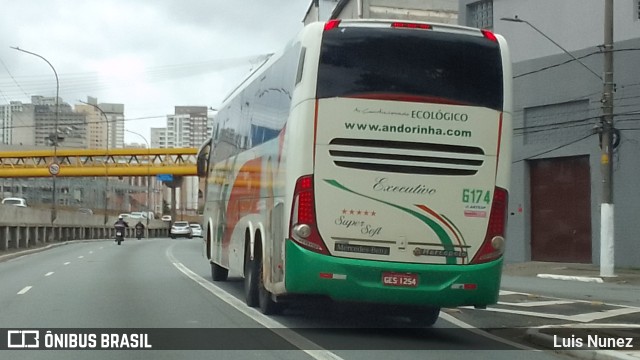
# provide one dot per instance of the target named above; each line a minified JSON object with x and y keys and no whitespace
{"x":83,"y":125}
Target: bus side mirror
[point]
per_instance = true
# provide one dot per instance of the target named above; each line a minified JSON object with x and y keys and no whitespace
{"x":201,"y":166}
{"x":202,"y":160}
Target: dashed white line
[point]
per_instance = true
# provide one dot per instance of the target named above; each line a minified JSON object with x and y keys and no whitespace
{"x":67,"y":263}
{"x":49,"y":273}
{"x":23,"y":291}
{"x":312,"y":349}
{"x":80,"y":257}
{"x":91,"y":252}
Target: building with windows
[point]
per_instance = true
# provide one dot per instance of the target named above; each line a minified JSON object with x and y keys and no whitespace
{"x":32,"y":126}
{"x":189,"y":126}
{"x":9,"y":123}
{"x":443,"y":11}
{"x":103,"y":126}
{"x":556,"y":188}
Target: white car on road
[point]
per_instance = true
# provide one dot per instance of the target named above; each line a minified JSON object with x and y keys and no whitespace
{"x":15,"y":201}
{"x":180,"y":229}
{"x":196,"y":229}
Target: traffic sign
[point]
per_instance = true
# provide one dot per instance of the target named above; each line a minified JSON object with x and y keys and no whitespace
{"x":54,"y":169}
{"x":165,"y":177}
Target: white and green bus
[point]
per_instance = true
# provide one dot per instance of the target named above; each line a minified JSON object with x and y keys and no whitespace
{"x":368,"y":162}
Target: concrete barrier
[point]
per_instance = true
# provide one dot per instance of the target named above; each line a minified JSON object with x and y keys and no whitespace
{"x":22,"y":228}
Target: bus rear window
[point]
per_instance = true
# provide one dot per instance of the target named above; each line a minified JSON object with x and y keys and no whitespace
{"x":412,"y":64}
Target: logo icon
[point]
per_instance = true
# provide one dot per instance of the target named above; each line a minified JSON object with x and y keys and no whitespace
{"x":23,"y":339}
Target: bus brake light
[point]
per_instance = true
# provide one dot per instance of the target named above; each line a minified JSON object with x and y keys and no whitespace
{"x":406,"y":25}
{"x":304,"y":229}
{"x":493,"y":246}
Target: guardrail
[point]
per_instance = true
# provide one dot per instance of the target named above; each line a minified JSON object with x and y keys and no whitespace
{"x":26,"y":227}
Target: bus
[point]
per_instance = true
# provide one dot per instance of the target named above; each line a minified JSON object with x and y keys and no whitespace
{"x":367,"y":162}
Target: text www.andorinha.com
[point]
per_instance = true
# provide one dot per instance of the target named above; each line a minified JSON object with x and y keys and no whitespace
{"x":423,"y":130}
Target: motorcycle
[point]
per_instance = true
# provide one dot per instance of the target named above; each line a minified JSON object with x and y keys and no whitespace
{"x":119,"y":235}
{"x":139,"y":233}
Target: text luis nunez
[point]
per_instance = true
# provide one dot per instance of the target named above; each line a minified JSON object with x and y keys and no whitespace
{"x":593,"y":341}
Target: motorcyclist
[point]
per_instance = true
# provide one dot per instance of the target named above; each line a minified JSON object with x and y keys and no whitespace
{"x":120,"y":224}
{"x":139,"y":229}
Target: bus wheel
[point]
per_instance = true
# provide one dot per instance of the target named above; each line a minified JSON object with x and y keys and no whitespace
{"x":251,"y":275}
{"x":266,"y":303}
{"x":218,"y":273}
{"x":424,"y":317}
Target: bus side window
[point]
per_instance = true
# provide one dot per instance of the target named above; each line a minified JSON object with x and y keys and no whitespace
{"x":303,"y":51}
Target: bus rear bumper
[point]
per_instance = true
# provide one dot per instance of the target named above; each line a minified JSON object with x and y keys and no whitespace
{"x":354,"y":280}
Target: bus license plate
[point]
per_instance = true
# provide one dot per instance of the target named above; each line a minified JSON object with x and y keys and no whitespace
{"x":399,"y":279}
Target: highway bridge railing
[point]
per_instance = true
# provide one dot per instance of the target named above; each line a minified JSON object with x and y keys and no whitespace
{"x":23,"y":228}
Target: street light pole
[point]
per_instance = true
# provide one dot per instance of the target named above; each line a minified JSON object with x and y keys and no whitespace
{"x":106,"y":163}
{"x":55,"y":131}
{"x":516,"y":19}
{"x":607,"y":254}
{"x":148,"y":177}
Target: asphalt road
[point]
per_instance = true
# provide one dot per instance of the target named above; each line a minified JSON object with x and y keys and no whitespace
{"x":161,"y":284}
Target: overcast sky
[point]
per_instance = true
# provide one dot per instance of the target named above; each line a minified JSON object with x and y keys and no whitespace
{"x":149,"y":55}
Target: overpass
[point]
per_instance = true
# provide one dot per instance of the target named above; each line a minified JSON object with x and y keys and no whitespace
{"x":98,"y":162}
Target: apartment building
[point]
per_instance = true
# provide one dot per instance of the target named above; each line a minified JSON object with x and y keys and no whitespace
{"x":189,"y":126}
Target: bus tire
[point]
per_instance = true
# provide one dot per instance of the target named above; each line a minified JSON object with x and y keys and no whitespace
{"x":266,"y":303}
{"x":424,"y":317}
{"x":251,"y":275}
{"x":218,"y":273}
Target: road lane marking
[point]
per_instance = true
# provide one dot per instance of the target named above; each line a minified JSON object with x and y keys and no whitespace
{"x":583,"y":318}
{"x":67,"y":263}
{"x":537,"y":303}
{"x":49,"y":273}
{"x":309,"y":347}
{"x":298,"y":340}
{"x":23,"y":291}
{"x":507,"y":292}
{"x":571,"y":278}
{"x":91,"y":252}
{"x":461,"y":324}
{"x":80,"y":257}
{"x":586,"y":317}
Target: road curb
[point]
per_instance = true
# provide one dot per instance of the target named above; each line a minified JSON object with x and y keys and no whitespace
{"x":25,"y":252}
{"x":29,"y":251}
{"x":536,"y":336}
{"x":572,"y":278}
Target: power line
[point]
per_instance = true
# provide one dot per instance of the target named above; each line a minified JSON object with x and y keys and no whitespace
{"x":554,"y":149}
{"x":91,"y":81}
{"x":568,"y":61}
{"x":93,"y":122}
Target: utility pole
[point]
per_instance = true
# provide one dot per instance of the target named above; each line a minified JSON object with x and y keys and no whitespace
{"x":607,"y":254}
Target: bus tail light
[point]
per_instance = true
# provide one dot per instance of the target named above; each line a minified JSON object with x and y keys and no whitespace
{"x":493,"y":246}
{"x":331,"y":24}
{"x":489,"y":35}
{"x":304,"y":229}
